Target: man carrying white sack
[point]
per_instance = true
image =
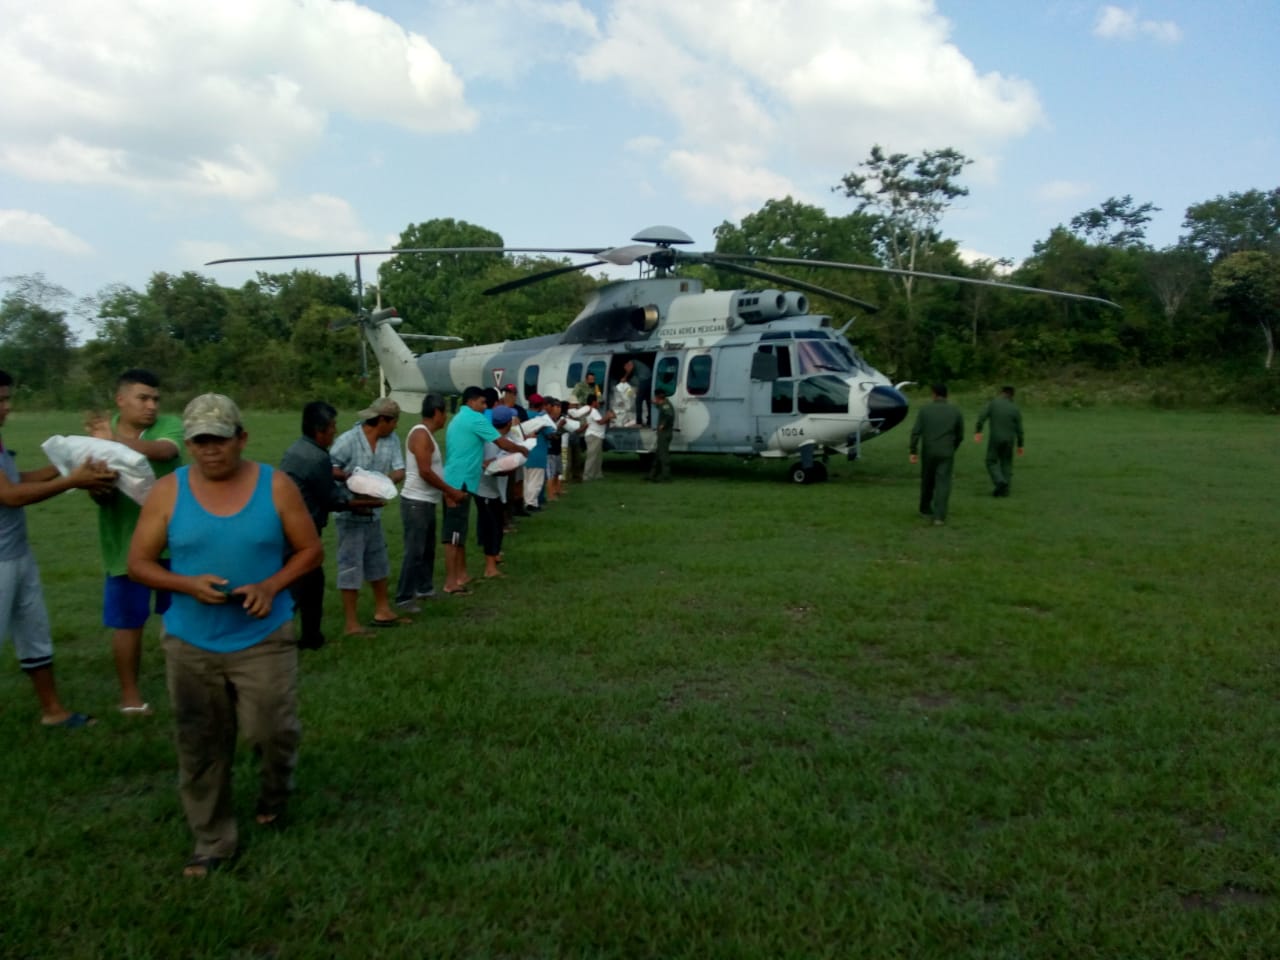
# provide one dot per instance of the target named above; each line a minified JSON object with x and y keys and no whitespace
{"x":126,"y":605}
{"x":362,"y":549}
{"x":23,"y":614}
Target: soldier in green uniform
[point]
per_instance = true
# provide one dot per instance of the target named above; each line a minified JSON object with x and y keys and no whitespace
{"x":1006,"y":428}
{"x":937,"y":434}
{"x":660,"y":471}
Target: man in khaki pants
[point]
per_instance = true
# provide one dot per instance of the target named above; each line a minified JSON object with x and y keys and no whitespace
{"x":230,"y":656}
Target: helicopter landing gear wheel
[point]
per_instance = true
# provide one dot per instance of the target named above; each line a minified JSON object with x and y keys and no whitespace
{"x":814,"y":474}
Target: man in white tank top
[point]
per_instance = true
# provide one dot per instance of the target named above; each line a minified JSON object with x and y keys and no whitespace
{"x":424,"y":488}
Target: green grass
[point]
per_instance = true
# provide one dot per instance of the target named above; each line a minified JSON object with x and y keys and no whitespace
{"x":730,"y":717}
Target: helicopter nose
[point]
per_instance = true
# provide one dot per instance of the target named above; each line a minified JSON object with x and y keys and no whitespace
{"x":886,"y":407}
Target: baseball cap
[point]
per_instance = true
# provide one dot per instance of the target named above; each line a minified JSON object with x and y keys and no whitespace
{"x":382,"y":407}
{"x":212,"y":415}
{"x":509,"y":388}
{"x":535,"y":399}
{"x":503,"y":415}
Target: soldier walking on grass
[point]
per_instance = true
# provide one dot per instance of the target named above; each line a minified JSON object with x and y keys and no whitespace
{"x":1006,"y":432}
{"x":937,"y":434}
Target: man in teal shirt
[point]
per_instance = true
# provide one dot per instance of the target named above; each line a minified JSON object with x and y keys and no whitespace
{"x":126,"y":605}
{"x":1006,"y":429}
{"x":937,"y":434}
{"x":468,"y":432}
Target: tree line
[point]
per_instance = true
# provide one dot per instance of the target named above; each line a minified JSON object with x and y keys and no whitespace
{"x":1213,"y":298}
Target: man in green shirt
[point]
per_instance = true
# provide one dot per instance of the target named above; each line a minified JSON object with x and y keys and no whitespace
{"x":660,"y":472}
{"x":937,"y":434}
{"x":126,"y":605}
{"x":1006,"y":430}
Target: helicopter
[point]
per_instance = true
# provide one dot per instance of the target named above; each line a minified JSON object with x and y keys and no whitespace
{"x":750,"y":372}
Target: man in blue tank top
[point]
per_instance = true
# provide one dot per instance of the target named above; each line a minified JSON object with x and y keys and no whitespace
{"x":238,"y":533}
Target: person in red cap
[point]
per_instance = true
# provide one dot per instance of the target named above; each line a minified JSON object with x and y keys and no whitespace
{"x":535,"y":468}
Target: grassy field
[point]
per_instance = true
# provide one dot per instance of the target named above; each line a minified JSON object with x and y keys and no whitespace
{"x":729,"y":717}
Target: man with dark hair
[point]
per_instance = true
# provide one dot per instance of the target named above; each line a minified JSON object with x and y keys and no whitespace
{"x":937,"y":434}
{"x":468,"y":432}
{"x":23,"y":614}
{"x":126,"y":605}
{"x":597,"y":424}
{"x":424,"y":488}
{"x":307,"y":463}
{"x":238,"y":534}
{"x":1006,"y":429}
{"x":362,"y":549}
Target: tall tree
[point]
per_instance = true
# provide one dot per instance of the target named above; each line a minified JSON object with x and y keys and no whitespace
{"x":422,"y":286}
{"x":1117,"y":223}
{"x":909,"y":194}
{"x":35,"y":339}
{"x":1222,"y":226}
{"x":1248,"y":285}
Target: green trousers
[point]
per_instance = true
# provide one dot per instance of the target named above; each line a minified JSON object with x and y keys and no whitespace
{"x":1000,"y":463}
{"x":935,"y":485}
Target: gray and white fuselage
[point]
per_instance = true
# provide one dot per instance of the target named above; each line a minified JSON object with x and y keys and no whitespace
{"x":751,"y":373}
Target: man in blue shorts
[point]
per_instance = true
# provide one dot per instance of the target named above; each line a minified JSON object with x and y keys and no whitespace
{"x":126,"y":605}
{"x":362,"y":549}
{"x":22,"y":610}
{"x":230,"y":657}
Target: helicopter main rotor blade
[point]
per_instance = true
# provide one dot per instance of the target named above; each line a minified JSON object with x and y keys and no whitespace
{"x":714,"y":261}
{"x":894,"y":271}
{"x":538,"y":277}
{"x":626,"y":256}
{"x":582,"y":251}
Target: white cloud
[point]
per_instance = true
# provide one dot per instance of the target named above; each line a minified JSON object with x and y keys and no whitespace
{"x":1117,"y":23}
{"x":316,"y":219}
{"x":753,"y":86}
{"x":505,"y":39}
{"x":211,"y":99}
{"x":1057,"y":190}
{"x":25,"y":229}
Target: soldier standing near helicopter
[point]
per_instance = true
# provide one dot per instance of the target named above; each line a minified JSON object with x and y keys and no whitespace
{"x":660,"y":472}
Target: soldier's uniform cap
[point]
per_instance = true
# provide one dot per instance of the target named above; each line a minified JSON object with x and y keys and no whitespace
{"x":211,"y":415}
{"x":382,"y":407}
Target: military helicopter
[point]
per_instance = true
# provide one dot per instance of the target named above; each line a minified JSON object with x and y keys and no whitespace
{"x":750,"y":372}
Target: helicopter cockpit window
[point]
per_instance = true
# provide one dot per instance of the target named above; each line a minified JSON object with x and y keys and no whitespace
{"x":698,"y":382}
{"x":824,"y":394}
{"x":667,"y":375}
{"x":575,"y":375}
{"x":817,"y":356}
{"x":530,"y":381}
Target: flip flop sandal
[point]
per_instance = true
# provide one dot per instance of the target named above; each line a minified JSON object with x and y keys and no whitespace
{"x":375,"y":622}
{"x":144,"y":710}
{"x":202,"y":865}
{"x":74,"y":721}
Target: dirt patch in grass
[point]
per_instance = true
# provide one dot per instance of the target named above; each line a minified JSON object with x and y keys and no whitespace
{"x":1224,"y":899}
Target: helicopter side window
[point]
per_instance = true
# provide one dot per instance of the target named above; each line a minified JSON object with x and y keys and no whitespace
{"x":825,"y":394}
{"x":784,"y":360}
{"x":597,"y":369}
{"x":575,"y":375}
{"x":698,"y":382}
{"x":667,"y":375}
{"x":782,"y":396}
{"x":530,"y":381}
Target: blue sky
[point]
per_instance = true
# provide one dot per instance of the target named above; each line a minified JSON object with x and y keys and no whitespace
{"x":147,"y":135}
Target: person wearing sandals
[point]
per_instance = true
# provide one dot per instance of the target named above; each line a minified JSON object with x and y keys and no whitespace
{"x":238,"y":534}
{"x":23,"y":614}
{"x":126,"y":606}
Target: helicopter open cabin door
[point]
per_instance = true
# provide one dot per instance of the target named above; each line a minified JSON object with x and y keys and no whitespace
{"x":773,"y":392}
